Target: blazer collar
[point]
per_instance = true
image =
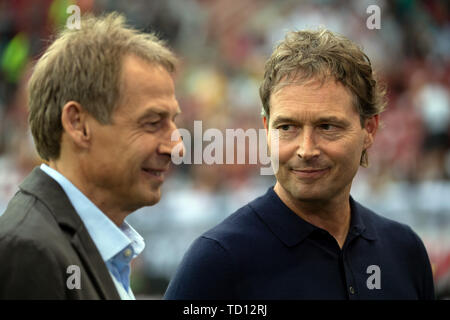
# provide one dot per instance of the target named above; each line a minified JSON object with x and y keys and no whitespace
{"x":47,"y":190}
{"x":291,"y":229}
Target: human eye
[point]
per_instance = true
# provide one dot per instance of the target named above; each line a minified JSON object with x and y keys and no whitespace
{"x":151,"y":124}
{"x":285,"y":127}
{"x":330,"y":130}
{"x":330,"y":126}
{"x":287,"y":130}
{"x":327,"y":126}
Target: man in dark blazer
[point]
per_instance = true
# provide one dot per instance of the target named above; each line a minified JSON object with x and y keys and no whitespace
{"x":102,"y":108}
{"x":41,"y":237}
{"x":306,"y":238}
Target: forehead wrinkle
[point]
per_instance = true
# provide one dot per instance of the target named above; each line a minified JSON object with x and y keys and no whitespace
{"x":312,"y":99}
{"x":145,"y":78}
{"x":168,"y":103}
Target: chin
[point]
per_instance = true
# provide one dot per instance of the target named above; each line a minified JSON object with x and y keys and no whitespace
{"x":147,"y":198}
{"x":154,"y":198}
{"x":303,"y":193}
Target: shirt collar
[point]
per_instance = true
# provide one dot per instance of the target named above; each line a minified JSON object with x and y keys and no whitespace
{"x":360,"y":222}
{"x":109,"y":239}
{"x":291,"y":229}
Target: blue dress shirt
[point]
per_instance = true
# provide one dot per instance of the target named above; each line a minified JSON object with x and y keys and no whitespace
{"x":117,"y":245}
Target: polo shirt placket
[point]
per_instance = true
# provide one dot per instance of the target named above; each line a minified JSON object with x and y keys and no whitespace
{"x":286,"y":221}
{"x":352,"y":286}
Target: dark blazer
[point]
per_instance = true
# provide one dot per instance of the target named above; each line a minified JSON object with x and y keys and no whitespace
{"x":41,"y":235}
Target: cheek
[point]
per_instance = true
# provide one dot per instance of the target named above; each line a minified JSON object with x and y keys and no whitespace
{"x":350,"y":153}
{"x":286,"y":151}
{"x":114,"y":161}
{"x":145,"y":148}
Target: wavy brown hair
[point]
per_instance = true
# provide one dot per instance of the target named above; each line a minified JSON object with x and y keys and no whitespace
{"x":320,"y":55}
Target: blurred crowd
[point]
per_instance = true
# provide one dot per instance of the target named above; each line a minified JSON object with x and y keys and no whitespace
{"x":223,"y":45}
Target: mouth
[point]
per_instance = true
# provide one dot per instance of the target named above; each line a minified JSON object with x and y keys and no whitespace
{"x":157,"y":174}
{"x":310,"y":173}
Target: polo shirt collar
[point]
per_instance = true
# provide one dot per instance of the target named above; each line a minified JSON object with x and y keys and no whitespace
{"x":360,"y":223}
{"x":282,"y":221}
{"x":291,"y":229}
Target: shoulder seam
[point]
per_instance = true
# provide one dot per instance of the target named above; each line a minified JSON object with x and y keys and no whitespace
{"x":232,"y":262}
{"x":28,"y":206}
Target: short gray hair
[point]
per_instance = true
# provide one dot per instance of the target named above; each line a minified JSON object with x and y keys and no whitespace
{"x":84,"y":66}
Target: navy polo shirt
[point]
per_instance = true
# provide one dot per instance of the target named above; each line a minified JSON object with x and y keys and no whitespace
{"x":265,"y":251}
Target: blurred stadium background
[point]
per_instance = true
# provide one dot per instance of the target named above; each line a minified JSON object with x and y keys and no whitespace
{"x":223,"y":45}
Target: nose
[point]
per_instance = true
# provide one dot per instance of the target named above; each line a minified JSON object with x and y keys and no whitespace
{"x":170,"y":141}
{"x":307,"y":148}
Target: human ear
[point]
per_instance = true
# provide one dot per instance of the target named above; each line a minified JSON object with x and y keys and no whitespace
{"x":73,"y":119}
{"x":371,"y":127}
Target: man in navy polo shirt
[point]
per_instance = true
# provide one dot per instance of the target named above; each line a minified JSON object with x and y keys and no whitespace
{"x":307,"y":238}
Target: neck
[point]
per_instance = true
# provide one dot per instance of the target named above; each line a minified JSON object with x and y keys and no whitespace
{"x":332,"y":215}
{"x":75,"y":175}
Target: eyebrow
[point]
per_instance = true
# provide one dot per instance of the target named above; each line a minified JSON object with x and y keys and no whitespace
{"x":282,"y":119}
{"x":333,"y":119}
{"x":163,"y":113}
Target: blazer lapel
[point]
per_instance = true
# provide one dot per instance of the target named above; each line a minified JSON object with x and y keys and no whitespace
{"x":50,"y":192}
{"x":95,"y":265}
